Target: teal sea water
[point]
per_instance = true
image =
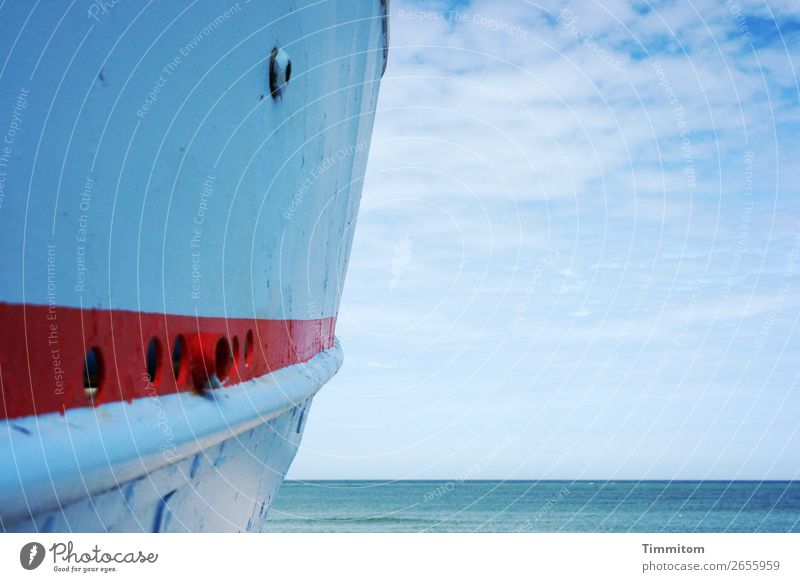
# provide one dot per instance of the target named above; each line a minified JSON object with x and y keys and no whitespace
{"x":536,"y":506}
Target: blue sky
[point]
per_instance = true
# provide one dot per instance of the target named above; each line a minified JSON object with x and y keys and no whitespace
{"x":578,"y":253}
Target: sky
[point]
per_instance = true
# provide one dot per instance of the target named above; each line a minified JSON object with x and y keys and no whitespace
{"x":578,"y":249}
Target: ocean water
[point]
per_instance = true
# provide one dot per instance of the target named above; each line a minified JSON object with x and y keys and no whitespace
{"x":536,"y":506}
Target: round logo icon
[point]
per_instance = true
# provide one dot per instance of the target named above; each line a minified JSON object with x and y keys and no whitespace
{"x":31,"y":555}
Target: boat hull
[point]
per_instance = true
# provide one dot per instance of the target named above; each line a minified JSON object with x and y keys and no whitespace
{"x":180,"y":184}
{"x":226,"y":487}
{"x":164,"y":463}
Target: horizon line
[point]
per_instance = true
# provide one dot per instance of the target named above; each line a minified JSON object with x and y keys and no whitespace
{"x":601,"y":480}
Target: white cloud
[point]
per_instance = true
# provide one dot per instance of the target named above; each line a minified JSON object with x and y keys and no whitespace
{"x":496,"y":148}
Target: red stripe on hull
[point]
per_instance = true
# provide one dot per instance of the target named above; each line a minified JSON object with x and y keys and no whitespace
{"x":43,"y":350}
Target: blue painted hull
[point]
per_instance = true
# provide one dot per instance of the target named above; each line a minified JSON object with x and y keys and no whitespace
{"x":227,"y":487}
{"x":173,"y":163}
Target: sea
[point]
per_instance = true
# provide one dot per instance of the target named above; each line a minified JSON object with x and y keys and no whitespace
{"x":536,"y":506}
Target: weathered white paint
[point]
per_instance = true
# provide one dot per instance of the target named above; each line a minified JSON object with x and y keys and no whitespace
{"x":141,"y":122}
{"x":151,"y":171}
